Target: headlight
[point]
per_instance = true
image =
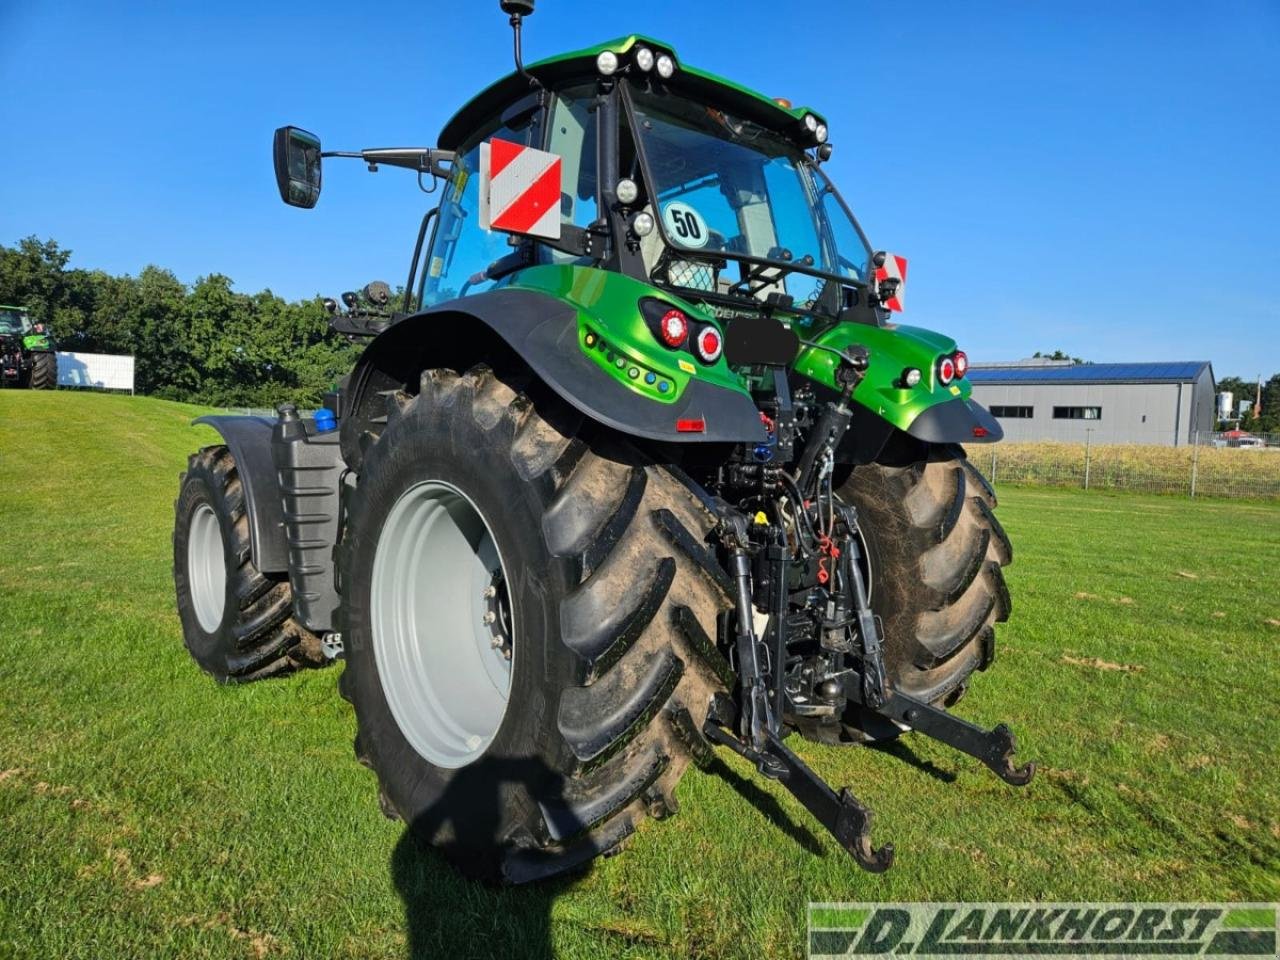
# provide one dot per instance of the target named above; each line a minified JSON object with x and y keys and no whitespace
{"x":644,"y":58}
{"x":666,"y":67}
{"x":607,"y":63}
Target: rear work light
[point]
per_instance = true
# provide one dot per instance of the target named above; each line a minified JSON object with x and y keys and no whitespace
{"x":708,"y":345}
{"x":946,"y":371}
{"x":673,"y":328}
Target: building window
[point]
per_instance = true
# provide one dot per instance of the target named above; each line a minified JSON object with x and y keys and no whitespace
{"x":1077,"y":413}
{"x":1013,"y":413}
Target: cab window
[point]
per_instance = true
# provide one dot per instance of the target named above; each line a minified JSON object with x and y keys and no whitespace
{"x":573,"y":139}
{"x":462,"y":250}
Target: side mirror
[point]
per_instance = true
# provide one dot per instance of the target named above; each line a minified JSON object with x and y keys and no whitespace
{"x":297,"y":161}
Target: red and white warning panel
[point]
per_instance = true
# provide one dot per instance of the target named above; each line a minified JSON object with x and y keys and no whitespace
{"x":519,"y":189}
{"x":891,"y":279}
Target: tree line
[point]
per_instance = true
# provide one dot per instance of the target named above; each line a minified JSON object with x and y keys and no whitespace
{"x":203,"y":343}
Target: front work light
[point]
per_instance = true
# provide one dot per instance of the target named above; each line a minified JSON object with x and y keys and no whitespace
{"x":666,"y":67}
{"x":644,"y":58}
{"x":642,"y":224}
{"x":627,"y":191}
{"x":607,"y":63}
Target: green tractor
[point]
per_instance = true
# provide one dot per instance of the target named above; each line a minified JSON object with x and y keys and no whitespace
{"x":27,"y":352}
{"x":639,"y":469}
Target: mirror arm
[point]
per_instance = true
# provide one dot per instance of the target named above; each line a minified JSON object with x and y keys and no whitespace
{"x":420,"y":159}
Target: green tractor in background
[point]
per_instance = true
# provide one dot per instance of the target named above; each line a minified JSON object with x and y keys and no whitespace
{"x":641,"y":468}
{"x":27,"y":352}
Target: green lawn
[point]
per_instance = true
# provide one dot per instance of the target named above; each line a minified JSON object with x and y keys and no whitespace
{"x":147,"y":812}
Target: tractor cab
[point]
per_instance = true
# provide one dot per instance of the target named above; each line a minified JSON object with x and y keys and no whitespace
{"x":15,"y":322}
{"x":665,"y":174}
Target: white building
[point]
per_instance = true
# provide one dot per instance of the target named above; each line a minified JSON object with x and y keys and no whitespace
{"x":1158,"y":403}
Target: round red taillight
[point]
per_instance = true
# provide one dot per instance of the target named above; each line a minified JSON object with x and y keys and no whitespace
{"x":946,"y":370}
{"x":708,"y":345}
{"x":962,"y":363}
{"x":673,"y":328}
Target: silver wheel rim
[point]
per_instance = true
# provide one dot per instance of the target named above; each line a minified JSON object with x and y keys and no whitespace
{"x":206,"y":568}
{"x":441,"y":624}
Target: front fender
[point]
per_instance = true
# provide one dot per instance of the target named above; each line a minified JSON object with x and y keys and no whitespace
{"x":956,"y":421}
{"x":544,"y":331}
{"x":249,"y":440}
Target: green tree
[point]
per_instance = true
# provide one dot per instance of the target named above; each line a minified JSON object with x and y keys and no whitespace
{"x":1060,"y":355}
{"x":207,"y":343}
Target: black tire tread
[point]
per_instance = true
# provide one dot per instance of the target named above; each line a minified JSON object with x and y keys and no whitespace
{"x":612,"y":514}
{"x":266,"y":640}
{"x":44,"y":372}
{"x":947,"y":589}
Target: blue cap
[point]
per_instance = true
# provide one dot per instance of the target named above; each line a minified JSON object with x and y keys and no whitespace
{"x":325,"y":420}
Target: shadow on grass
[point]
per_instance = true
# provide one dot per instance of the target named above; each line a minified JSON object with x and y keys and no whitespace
{"x":449,"y":914}
{"x":767,"y":805}
{"x":901,"y":751}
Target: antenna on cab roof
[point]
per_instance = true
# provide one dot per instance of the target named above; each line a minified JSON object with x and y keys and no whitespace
{"x":518,"y":10}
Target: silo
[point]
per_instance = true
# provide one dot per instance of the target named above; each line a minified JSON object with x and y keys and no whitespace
{"x":1226,"y":404}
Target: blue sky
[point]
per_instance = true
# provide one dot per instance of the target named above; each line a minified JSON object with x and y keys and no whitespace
{"x":1101,"y":178}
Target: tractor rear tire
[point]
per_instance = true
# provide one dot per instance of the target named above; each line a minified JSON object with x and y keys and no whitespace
{"x":594,"y":557}
{"x":237,"y":622}
{"x":936,"y":553}
{"x":44,"y":372}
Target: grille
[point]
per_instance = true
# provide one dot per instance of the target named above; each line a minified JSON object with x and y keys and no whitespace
{"x":692,"y":274}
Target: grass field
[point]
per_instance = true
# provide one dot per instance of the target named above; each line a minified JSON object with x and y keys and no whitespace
{"x":147,"y":812}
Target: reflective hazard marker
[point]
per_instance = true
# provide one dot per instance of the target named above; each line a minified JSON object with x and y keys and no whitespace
{"x":891,"y":280}
{"x":519,"y":189}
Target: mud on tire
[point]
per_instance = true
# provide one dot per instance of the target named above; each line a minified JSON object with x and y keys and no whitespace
{"x":255,"y":635}
{"x":936,"y":552}
{"x":614,"y":602}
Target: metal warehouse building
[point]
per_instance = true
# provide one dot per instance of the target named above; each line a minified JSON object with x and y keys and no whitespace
{"x":1158,"y":403}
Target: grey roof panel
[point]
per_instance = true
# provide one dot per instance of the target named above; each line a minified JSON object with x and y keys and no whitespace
{"x":1168,"y":372}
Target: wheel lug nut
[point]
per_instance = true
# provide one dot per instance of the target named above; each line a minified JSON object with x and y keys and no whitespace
{"x":496,"y":642}
{"x":489,"y":617}
{"x":490,"y":592}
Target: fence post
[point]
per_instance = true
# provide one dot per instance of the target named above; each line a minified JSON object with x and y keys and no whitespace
{"x":1087,"y":437}
{"x":1195,"y":462}
{"x":993,"y":463}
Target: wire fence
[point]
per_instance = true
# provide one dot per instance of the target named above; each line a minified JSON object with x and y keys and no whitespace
{"x":1203,"y":469}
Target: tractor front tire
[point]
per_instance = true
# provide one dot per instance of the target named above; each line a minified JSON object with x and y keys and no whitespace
{"x":935,"y":552}
{"x":527,"y":609}
{"x":44,"y":372}
{"x":236,"y":621}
